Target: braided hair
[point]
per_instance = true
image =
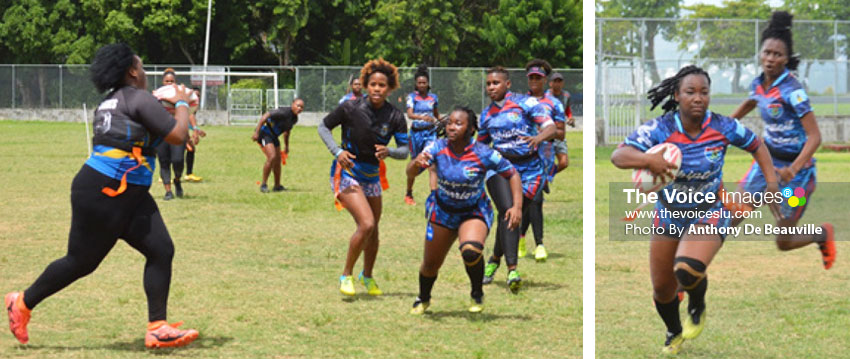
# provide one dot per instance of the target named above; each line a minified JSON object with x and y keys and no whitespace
{"x":670,"y":85}
{"x":472,"y":121}
{"x":779,"y":28}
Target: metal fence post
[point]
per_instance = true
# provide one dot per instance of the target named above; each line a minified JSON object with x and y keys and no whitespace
{"x":60,"y":86}
{"x":13,"y":87}
{"x":324,"y":80}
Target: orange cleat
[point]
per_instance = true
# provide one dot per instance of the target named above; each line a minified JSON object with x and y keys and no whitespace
{"x":19,"y":316}
{"x":827,"y":248}
{"x":163,"y":335}
{"x":409,"y":200}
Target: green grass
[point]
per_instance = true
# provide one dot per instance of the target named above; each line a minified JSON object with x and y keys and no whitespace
{"x":762,"y":303}
{"x":257,"y":273}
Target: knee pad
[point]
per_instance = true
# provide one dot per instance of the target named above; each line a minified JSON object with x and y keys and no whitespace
{"x":471,"y":252}
{"x":689,"y":272}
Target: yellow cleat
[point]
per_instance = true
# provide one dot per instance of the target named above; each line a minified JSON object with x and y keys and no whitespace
{"x":346,"y":285}
{"x":371,"y":286}
{"x":690,"y":330}
{"x":540,"y":254}
{"x":194,"y":178}
{"x":673,"y":344}
{"x":476,"y":305}
{"x":419,"y":307}
{"x":521,"y":252}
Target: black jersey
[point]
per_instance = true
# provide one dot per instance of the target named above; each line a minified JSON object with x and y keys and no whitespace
{"x":364,"y":127}
{"x":280,"y":120}
{"x":128,"y":117}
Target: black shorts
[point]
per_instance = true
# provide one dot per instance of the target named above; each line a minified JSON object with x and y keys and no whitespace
{"x":266,"y":138}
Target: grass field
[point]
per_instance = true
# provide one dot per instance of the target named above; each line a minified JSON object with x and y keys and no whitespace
{"x":762,"y":303}
{"x":257,"y":273}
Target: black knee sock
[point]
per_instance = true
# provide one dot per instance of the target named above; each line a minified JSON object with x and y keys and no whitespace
{"x":190,"y":162}
{"x":535,"y":216}
{"x":696,"y":297}
{"x":425,"y":286}
{"x":476,"y":275}
{"x":669,"y":313}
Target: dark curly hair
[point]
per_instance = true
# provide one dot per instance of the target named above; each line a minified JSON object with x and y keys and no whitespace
{"x":169,"y":71}
{"x":109,"y":66}
{"x":382,"y":66}
{"x":666,"y":89}
{"x":539,"y":63}
{"x":472,"y":121}
{"x":779,"y":28}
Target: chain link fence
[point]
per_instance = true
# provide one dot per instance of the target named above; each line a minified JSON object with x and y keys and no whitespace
{"x":321,"y":87}
{"x":634,"y":54}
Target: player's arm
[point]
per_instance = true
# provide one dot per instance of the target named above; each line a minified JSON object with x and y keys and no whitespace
{"x":286,"y":142}
{"x":514,"y":214}
{"x":762,"y":157}
{"x":813,"y":140}
{"x":628,"y":157}
{"x":436,"y":113}
{"x":256,"y":136}
{"x":743,"y":109}
{"x":412,"y":115}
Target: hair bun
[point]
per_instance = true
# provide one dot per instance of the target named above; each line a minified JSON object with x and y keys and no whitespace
{"x":780,"y":20}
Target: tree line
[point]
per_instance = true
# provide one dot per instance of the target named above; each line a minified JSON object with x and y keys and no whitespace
{"x":297,"y":32}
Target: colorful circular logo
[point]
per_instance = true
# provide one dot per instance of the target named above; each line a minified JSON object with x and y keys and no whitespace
{"x":796,"y":197}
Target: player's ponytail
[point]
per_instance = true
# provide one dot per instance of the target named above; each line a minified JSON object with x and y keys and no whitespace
{"x":779,"y":28}
{"x":668,"y":87}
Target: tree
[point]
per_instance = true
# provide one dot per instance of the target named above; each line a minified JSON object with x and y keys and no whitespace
{"x":519,"y":30}
{"x":614,"y":41}
{"x":815,"y":41}
{"x":407,"y":33}
{"x":731,"y":40}
{"x":175,"y":24}
{"x":279,"y":22}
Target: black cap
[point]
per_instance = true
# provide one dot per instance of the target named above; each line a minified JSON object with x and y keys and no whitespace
{"x":556,"y":76}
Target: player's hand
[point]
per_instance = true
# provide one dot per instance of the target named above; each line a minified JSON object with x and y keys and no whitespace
{"x":513,"y":216}
{"x":346,"y":159}
{"x":775,"y":208}
{"x":423,"y":160}
{"x":200,"y":132}
{"x":786,"y":174}
{"x":571,"y":121}
{"x":255,"y":137}
{"x":195,"y":138}
{"x":381,"y":152}
{"x":660,"y":168}
{"x":533,"y":141}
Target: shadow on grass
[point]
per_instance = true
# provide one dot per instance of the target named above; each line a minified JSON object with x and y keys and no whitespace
{"x":551,"y":255}
{"x":364,"y":296}
{"x":138,"y":345}
{"x":532,"y":285}
{"x":474,"y":317}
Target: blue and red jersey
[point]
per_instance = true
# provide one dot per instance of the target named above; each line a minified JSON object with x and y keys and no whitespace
{"x":782,"y":105}
{"x":348,"y":97}
{"x":503,"y":125}
{"x":556,"y":107}
{"x":422,"y":106}
{"x":564,"y":99}
{"x":461,"y":176}
{"x":703,"y":155}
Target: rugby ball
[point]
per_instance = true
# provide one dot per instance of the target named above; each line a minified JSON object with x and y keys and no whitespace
{"x":643,"y":177}
{"x":168,"y":91}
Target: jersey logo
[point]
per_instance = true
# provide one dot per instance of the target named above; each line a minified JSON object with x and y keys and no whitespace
{"x":385,"y":129}
{"x":797,"y":97}
{"x":713,"y":153}
{"x":774,"y":110}
{"x":471,"y":172}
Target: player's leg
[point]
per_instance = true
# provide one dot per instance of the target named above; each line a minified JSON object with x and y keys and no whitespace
{"x":372,"y":242}
{"x":499,"y":191}
{"x":177,"y":163}
{"x":353,"y":199}
{"x":438,"y":241}
{"x":147,"y":234}
{"x":535,"y":215}
{"x":96,"y":222}
{"x":163,"y":153}
{"x":690,"y":266}
{"x":415,"y":148}
{"x":662,"y":251}
{"x":276,"y":169}
{"x":270,"y":150}
{"x":472,"y":234}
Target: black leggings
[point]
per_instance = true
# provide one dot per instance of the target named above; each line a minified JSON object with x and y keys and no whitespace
{"x":507,"y":241}
{"x":170,"y":156}
{"x":190,"y":160}
{"x":535,"y":219}
{"x":97,"y":221}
